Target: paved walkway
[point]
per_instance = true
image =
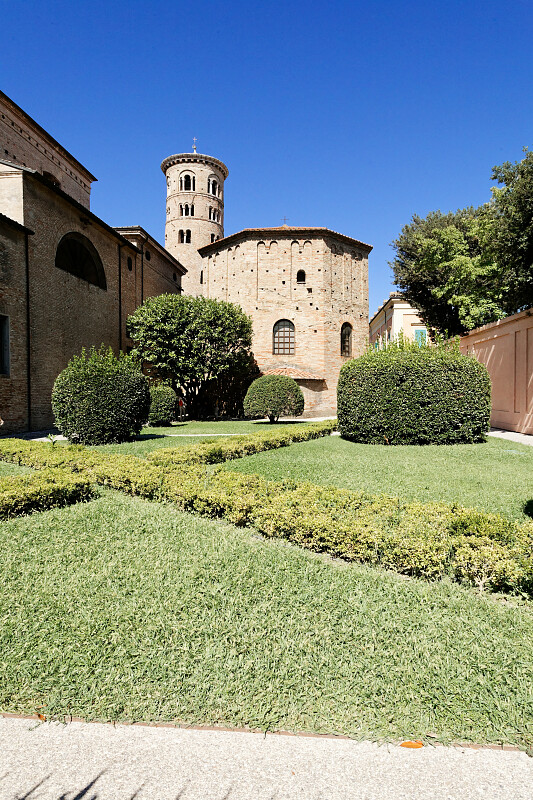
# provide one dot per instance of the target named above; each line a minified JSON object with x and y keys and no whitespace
{"x":512,"y":436}
{"x":103,"y":762}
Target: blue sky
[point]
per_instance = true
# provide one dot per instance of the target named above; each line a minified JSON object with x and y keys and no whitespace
{"x":348,"y":115}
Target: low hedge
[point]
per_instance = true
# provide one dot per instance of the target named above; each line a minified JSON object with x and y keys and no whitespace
{"x":274,"y":396}
{"x":49,"y":488}
{"x":410,"y":394}
{"x":427,"y":540}
{"x":230,"y":448}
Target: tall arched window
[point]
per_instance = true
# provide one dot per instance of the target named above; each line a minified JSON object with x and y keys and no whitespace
{"x":78,"y":255}
{"x":182,"y":237}
{"x":283,"y":338}
{"x":192,"y":211}
{"x":187,"y":183}
{"x":187,"y":237}
{"x":346,"y":339}
{"x":300,"y":276}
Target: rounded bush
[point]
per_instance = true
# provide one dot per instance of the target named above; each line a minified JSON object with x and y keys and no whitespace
{"x":99,"y":398}
{"x":414,"y":395}
{"x":162,"y":405}
{"x":273,"y":396}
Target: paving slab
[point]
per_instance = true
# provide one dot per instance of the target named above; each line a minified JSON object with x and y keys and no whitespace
{"x":54,"y":761}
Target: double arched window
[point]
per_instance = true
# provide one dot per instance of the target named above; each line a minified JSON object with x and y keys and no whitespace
{"x":213,"y":187}
{"x":187,"y":183}
{"x":283,"y":338}
{"x":185,"y":237}
{"x":346,"y":339}
{"x":78,"y":255}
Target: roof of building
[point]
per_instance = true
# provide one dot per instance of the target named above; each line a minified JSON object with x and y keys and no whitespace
{"x":283,"y":229}
{"x":14,"y":224}
{"x":141,"y":233}
{"x":46,"y":135}
{"x":194,"y":158}
{"x":294,"y":372}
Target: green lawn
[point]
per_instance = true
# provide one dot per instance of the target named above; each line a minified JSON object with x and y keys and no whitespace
{"x":123,"y":609}
{"x":496,"y":476}
{"x":11,"y":469}
{"x":180,"y":435}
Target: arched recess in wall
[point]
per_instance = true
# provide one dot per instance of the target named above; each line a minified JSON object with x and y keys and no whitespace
{"x":346,"y":339}
{"x":78,"y":255}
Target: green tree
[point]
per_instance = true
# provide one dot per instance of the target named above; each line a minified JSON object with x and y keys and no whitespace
{"x":273,"y":396}
{"x":512,"y":235}
{"x":186,"y":341}
{"x":445,"y":268}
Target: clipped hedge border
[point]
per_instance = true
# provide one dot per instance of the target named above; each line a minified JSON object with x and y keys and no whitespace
{"x":228,"y":449}
{"x":429,"y":540}
{"x":49,"y":488}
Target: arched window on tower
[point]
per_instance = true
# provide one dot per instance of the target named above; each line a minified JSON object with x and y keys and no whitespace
{"x":214,"y":187}
{"x":78,"y":255}
{"x":186,"y":207}
{"x":192,"y":211}
{"x":300,"y":276}
{"x":346,"y":339}
{"x":201,"y":276}
{"x":187,"y":183}
{"x":187,"y":237}
{"x":283,"y":338}
{"x":181,"y":209}
{"x":182,"y":237}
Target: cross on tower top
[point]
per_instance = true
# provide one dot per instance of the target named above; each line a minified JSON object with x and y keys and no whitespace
{"x":194,"y":140}
{"x":285,"y":220}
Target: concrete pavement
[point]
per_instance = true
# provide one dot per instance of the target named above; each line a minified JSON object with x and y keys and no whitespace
{"x":52,"y":761}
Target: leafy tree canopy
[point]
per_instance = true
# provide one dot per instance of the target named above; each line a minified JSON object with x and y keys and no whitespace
{"x":444,"y":268}
{"x":185,"y":341}
{"x":473,"y":266}
{"x":512,"y":240}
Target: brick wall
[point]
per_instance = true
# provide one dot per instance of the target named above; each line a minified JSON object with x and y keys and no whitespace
{"x":260,"y":274}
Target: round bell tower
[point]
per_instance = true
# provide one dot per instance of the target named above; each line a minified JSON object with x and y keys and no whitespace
{"x":195,"y":211}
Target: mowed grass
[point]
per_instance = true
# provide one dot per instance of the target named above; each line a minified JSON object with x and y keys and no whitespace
{"x":495,"y":476}
{"x":190,"y":433}
{"x":126,"y":610}
{"x":11,"y":469}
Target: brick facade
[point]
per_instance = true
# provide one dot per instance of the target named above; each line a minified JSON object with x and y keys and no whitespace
{"x":65,"y":312}
{"x":313,"y":277}
{"x":202,"y":194}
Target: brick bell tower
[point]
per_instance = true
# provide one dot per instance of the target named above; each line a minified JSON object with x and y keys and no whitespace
{"x":195,"y":211}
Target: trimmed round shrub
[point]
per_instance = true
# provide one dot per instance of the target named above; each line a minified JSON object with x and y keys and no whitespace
{"x":408,"y":394}
{"x":99,"y":398}
{"x":274,"y":396}
{"x":162,"y":405}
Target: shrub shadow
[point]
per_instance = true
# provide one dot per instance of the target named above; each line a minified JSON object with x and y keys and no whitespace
{"x":528,"y":508}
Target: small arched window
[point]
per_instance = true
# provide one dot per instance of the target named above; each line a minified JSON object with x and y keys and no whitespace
{"x":214,"y":187}
{"x":187,"y":237}
{"x":182,"y":237}
{"x":78,"y":255}
{"x":192,"y":211}
{"x":346,"y":339}
{"x":300,"y":276}
{"x":187,"y":183}
{"x":283,"y":338}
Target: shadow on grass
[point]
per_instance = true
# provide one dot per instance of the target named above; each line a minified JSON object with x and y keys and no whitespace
{"x":528,"y":508}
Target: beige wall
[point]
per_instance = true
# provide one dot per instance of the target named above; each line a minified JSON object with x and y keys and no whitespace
{"x":506,"y":349}
{"x":394,"y":316}
{"x":260,"y":274}
{"x":24,"y":142}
